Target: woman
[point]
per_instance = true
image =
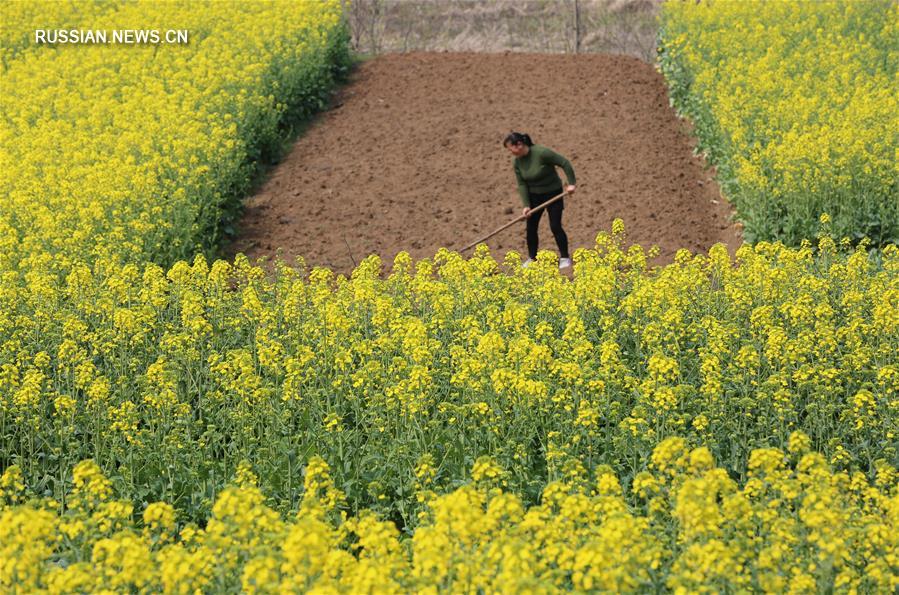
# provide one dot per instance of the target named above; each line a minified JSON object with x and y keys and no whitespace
{"x":538,"y":182}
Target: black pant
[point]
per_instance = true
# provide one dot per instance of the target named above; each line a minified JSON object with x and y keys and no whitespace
{"x":555,"y":222}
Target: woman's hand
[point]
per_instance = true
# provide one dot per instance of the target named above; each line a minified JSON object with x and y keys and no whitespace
{"x":526,"y":212}
{"x":570,"y":188}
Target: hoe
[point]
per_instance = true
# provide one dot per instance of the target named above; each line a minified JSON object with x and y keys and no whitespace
{"x":513,"y":221}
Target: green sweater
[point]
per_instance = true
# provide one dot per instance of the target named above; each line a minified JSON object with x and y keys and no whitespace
{"x":536,"y":172}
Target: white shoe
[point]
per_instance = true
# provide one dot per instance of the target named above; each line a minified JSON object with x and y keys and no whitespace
{"x":564,"y":263}
{"x":527,"y":262}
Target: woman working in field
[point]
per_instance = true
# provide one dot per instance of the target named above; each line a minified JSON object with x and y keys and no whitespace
{"x":538,"y":182}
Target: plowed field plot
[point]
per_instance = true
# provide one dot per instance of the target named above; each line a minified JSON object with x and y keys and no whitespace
{"x":410,"y":157}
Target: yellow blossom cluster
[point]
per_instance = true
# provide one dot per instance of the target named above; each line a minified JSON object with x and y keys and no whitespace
{"x":143,"y":152}
{"x":796,"y":105}
{"x":794,"y":524}
{"x":407,"y":381}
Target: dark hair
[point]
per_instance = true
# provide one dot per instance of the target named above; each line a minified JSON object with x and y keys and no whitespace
{"x":518,"y":137}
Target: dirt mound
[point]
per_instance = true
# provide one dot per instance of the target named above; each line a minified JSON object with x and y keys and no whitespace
{"x":410,"y":157}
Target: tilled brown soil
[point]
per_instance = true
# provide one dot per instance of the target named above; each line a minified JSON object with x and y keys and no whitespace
{"x":410,"y":157}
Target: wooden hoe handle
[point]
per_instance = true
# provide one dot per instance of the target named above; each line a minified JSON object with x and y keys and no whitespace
{"x":513,"y":221}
